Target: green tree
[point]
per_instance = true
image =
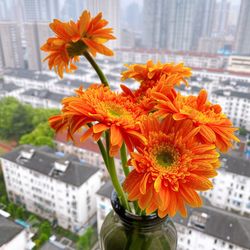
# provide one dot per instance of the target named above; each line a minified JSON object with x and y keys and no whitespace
{"x":41,"y":240}
{"x":12,"y":209}
{"x":15,"y":118}
{"x":4,"y":200}
{"x":42,"y":115}
{"x":45,"y":228}
{"x":33,"y":220}
{"x":242,"y":131}
{"x":41,"y":135}
{"x":19,"y":213}
{"x":84,"y":241}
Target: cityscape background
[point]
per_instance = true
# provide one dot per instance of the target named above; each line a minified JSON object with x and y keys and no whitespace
{"x":55,"y":194}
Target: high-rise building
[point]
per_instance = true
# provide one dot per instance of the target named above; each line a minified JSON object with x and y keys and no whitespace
{"x":11,"y":51}
{"x":181,"y":21}
{"x":243,"y":29}
{"x":112,"y":13}
{"x":203,"y":25}
{"x":220,"y":25}
{"x":40,"y":10}
{"x":169,"y":24}
{"x":155,"y":23}
{"x":36,"y":34}
{"x":72,"y":9}
{"x":133,"y":17}
{"x":3,"y":10}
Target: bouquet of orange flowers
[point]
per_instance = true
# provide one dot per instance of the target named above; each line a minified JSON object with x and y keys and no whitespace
{"x":172,"y":140}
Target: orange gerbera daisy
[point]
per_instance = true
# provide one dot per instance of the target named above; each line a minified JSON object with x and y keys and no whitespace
{"x":143,"y":96}
{"x":214,"y":126}
{"x":150,"y":74}
{"x":108,"y":110}
{"x":170,"y":168}
{"x":74,"y":38}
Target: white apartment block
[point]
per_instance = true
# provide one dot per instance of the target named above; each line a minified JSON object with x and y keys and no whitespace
{"x":239,"y":63}
{"x":86,"y":151}
{"x":191,"y":59}
{"x":232,"y":95}
{"x":235,"y":104}
{"x":41,"y":98}
{"x":27,"y":79}
{"x":9,"y":89}
{"x":52,"y":185}
{"x":232,"y":186}
{"x":12,"y":235}
{"x":206,"y":228}
{"x":103,"y":203}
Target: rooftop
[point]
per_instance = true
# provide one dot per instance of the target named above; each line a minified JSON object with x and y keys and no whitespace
{"x":41,"y":160}
{"x":53,"y":246}
{"x":238,"y":83}
{"x":28,"y":74}
{"x":8,"y":230}
{"x":73,"y":83}
{"x":44,"y":94}
{"x":232,"y":93}
{"x":160,"y":51}
{"x":8,"y":87}
{"x":219,"y":224}
{"x":106,"y":190}
{"x":236,"y":165}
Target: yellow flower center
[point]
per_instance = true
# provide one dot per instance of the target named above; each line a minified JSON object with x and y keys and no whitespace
{"x":165,"y":155}
{"x":116,"y":111}
{"x":165,"y":158}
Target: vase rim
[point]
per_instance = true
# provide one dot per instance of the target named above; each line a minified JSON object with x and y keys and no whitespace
{"x":128,"y":217}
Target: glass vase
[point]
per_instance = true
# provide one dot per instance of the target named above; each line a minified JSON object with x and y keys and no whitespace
{"x":122,"y":230}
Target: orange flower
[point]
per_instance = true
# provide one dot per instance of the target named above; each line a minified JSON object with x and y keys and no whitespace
{"x":108,"y":110}
{"x":73,"y":39}
{"x":143,"y":96}
{"x":214,"y":126}
{"x":170,"y":168}
{"x":150,"y":74}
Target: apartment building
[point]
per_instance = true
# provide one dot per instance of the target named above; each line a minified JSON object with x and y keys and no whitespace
{"x":41,"y":98}
{"x":9,"y":89}
{"x":232,"y":186}
{"x":191,"y":59}
{"x":86,"y":151}
{"x":206,"y":228}
{"x":52,"y":185}
{"x":239,"y":63}
{"x":235,"y":104}
{"x":27,"y":79}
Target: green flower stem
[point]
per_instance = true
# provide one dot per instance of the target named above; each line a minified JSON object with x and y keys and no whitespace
{"x":96,"y":68}
{"x":124,"y":159}
{"x":117,"y":185}
{"x":102,"y":149}
{"x":109,"y":161}
{"x":114,"y":178}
